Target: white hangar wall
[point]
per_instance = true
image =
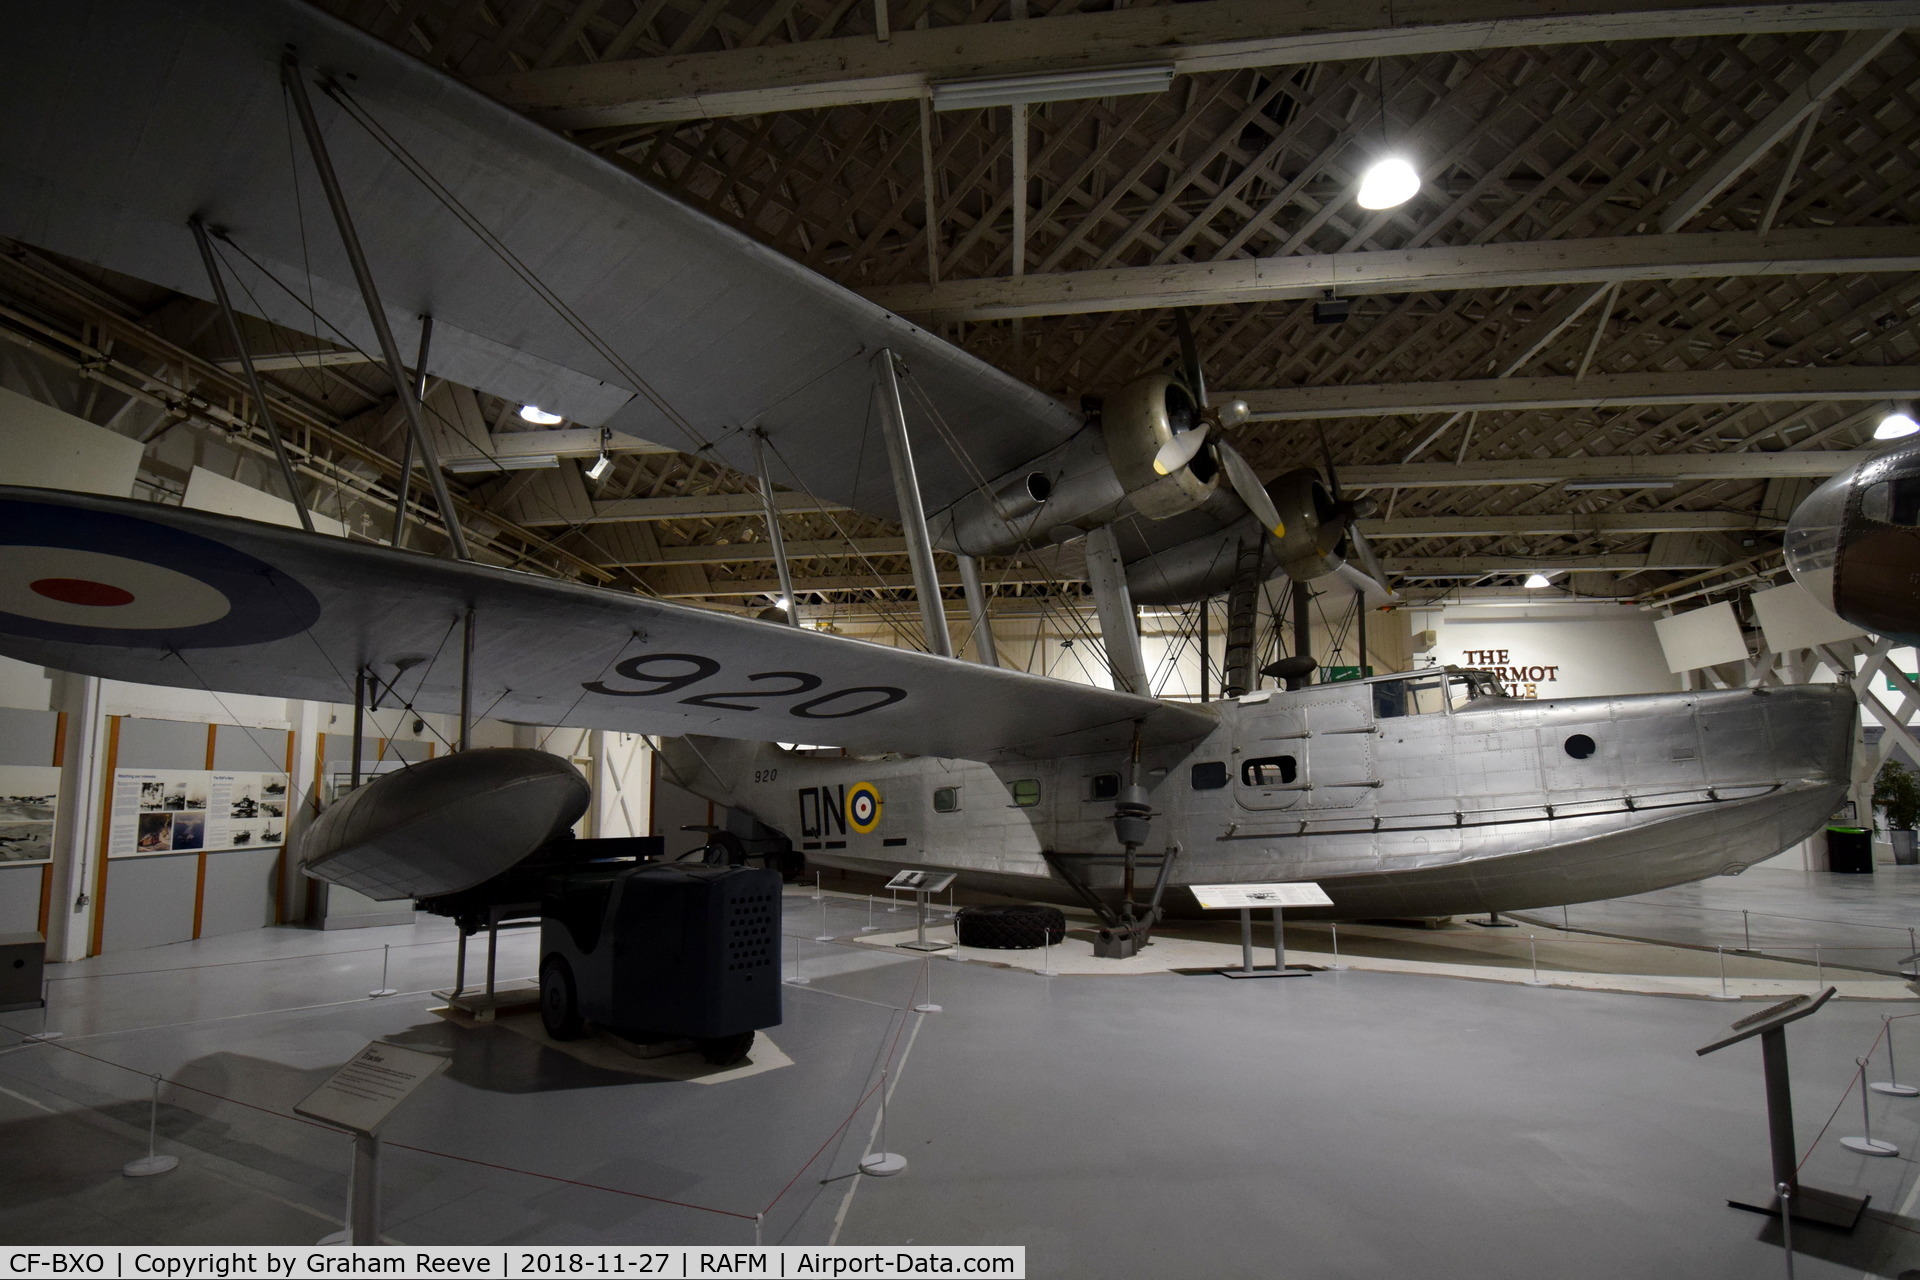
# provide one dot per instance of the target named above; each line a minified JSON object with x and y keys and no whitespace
{"x":1550,"y":650}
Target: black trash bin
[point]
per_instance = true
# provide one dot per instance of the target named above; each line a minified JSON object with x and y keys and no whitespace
{"x":1850,"y":849}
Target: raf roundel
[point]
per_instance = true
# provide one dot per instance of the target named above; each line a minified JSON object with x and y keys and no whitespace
{"x":863,"y":807}
{"x":72,"y":575}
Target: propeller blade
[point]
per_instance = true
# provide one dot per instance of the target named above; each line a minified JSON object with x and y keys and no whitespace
{"x":1248,"y":486}
{"x":1178,"y":452}
{"x":1369,"y":563}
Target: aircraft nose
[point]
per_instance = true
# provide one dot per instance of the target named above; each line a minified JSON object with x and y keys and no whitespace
{"x":1813,"y":535}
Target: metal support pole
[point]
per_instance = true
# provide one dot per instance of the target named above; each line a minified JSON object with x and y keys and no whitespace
{"x":295,"y":80}
{"x":460,"y":967}
{"x":466,"y":682}
{"x":1279,"y":941}
{"x":406,"y":454}
{"x":977,"y":607}
{"x":246,"y":367}
{"x":1302,"y":632}
{"x":1206,"y":612}
{"x":359,"y":721}
{"x":913,"y":516}
{"x":1360,"y":632}
{"x":1246,"y":939}
{"x":1119,"y":625}
{"x":1785,"y":1193}
{"x":774,"y":535}
{"x":364,"y":1224}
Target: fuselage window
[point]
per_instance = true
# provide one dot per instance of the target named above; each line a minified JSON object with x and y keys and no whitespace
{"x":1893,"y":501}
{"x":1465,"y":686}
{"x":1103,"y":786}
{"x":1209,"y":775}
{"x":1026,"y":792}
{"x":1268,"y":771}
{"x":1419,"y":696}
{"x":946,"y":800}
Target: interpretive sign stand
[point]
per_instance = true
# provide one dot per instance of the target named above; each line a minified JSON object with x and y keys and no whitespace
{"x":358,"y":1098}
{"x":1827,"y":1208}
{"x":1245,"y":897}
{"x":923,"y":885}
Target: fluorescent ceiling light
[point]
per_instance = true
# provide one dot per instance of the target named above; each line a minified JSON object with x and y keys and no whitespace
{"x":1390,"y":182}
{"x":599,"y":467}
{"x":1895,"y":425}
{"x":1053,"y":86}
{"x":518,"y":462}
{"x":539,"y":417}
{"x":1625,"y":482}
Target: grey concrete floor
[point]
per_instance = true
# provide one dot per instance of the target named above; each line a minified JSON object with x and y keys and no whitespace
{"x":1353,"y":1124}
{"x":1867,"y":921}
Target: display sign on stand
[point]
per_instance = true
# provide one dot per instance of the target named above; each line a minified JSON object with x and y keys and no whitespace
{"x":358,"y":1098}
{"x":1245,"y":897}
{"x":923,"y":885}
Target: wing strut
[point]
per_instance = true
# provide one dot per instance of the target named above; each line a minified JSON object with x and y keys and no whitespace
{"x":296,"y":84}
{"x":779,"y":541}
{"x":913,"y":516}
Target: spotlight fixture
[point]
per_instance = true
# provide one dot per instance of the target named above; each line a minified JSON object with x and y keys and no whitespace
{"x":1538,"y":580}
{"x":601,"y":463}
{"x":1897,"y":423}
{"x":1056,"y":86}
{"x":1387,"y":184}
{"x":539,"y":417}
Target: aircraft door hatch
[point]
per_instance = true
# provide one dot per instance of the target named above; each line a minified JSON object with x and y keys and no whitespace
{"x":1341,"y":765}
{"x":1268,"y":758}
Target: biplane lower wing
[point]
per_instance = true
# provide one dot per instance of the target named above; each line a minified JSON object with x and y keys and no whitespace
{"x":159,"y":595}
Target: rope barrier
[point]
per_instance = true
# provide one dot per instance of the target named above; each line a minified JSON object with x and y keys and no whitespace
{"x":887,"y":1063}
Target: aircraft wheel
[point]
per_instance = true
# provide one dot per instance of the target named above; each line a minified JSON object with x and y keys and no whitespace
{"x":726,"y":1051}
{"x":1013,"y":928}
{"x":559,"y":1005}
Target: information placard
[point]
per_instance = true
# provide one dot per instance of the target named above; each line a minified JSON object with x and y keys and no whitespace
{"x":922,"y":881}
{"x":1296,"y":893}
{"x":361,"y":1095}
{"x":158,"y":811}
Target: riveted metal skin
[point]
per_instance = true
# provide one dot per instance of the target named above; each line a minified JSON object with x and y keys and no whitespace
{"x":1855,"y":543}
{"x":1474,"y":804}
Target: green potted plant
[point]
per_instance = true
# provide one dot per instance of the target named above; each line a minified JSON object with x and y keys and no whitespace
{"x":1896,"y":793}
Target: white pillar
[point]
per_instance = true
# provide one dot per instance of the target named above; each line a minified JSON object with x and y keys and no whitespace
{"x":76,"y":839}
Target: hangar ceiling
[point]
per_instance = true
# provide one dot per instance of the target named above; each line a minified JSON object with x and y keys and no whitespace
{"x":1670,"y":251}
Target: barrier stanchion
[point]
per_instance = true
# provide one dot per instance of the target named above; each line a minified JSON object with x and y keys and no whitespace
{"x":825,"y":935}
{"x":1891,"y":1085}
{"x":869,"y":926}
{"x":1818,"y":970}
{"x":884,"y":1163}
{"x":926,"y":978}
{"x":1746,"y":930}
{"x":383,"y":989}
{"x":151,"y":1163}
{"x":1721,"y":951}
{"x":896,"y":900}
{"x":798,"y":979}
{"x":1533,"y":960}
{"x":817,"y":893}
{"x":1785,"y":1192}
{"x":1336,"y":966}
{"x":1046,"y":969}
{"x":1866,"y":1144}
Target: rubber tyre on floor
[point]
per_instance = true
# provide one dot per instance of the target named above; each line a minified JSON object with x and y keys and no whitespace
{"x":559,"y":1004}
{"x":726,"y":1051}
{"x":1013,"y":928}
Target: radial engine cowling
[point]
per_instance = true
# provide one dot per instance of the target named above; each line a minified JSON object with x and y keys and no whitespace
{"x":1315,"y":541}
{"x":444,"y":825}
{"x":1138,"y":421}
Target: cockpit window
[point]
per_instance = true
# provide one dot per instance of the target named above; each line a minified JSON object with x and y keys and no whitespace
{"x":1466,"y":686}
{"x":1893,"y":501}
{"x":1414,"y":696}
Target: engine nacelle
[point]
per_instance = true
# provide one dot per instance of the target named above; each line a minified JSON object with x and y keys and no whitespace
{"x":1090,"y":480}
{"x":1203,"y":567}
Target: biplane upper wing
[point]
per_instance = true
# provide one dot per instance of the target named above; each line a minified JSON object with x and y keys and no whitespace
{"x":126,"y":118}
{"x":141,"y":592}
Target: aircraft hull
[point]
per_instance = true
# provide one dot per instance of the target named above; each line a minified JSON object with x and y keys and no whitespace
{"x":1471,"y":808}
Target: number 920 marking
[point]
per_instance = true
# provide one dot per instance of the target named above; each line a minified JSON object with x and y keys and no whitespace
{"x":697,"y":667}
